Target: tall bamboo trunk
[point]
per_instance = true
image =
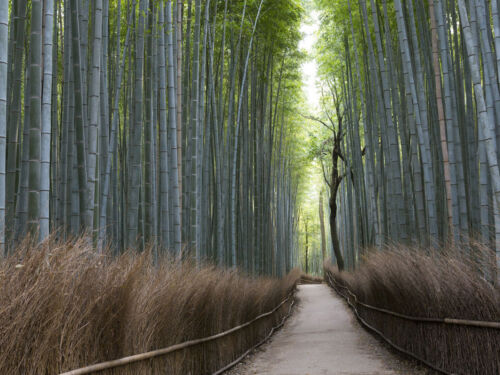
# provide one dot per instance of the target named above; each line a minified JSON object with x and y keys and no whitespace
{"x":322,"y":226}
{"x":4,"y":30}
{"x":441,"y":115}
{"x":80,"y":114}
{"x":46,"y":120}
{"x":94,"y":115}
{"x":179,"y":14}
{"x":14,"y":120}
{"x":135,"y":165}
{"x":35,"y":127}
{"x":174,"y":136}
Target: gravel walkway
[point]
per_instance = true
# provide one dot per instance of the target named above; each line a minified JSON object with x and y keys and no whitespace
{"x":323,"y":338}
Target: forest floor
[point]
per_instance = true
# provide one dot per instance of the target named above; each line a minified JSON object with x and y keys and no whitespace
{"x":321,"y":338}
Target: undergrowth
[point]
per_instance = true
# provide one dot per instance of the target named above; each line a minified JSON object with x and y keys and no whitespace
{"x":62,"y":306}
{"x":444,"y":284}
{"x":310,"y":279}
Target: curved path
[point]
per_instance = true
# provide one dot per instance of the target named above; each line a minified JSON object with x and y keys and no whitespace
{"x":322,"y":337}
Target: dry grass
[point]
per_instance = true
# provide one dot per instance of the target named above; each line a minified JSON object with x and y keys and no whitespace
{"x":62,"y":306}
{"x":445,"y":285}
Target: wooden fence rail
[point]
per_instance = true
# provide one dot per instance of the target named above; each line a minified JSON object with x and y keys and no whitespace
{"x":354,"y":303}
{"x":174,"y":348}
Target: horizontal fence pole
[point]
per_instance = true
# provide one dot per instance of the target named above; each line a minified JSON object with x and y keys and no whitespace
{"x":385,"y":338}
{"x":450,"y":321}
{"x":161,"y":352}
{"x":242,"y":357}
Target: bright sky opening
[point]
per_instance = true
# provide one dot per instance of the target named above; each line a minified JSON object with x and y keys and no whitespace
{"x":310,"y":68}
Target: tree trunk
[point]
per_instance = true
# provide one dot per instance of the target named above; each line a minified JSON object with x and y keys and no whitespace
{"x":307,"y":249}
{"x":322,"y":226}
{"x":80,"y":114}
{"x":46,"y":120}
{"x":35,"y":129}
{"x":441,"y":115}
{"x":135,"y":165}
{"x":94,"y":93}
{"x":4,"y":32}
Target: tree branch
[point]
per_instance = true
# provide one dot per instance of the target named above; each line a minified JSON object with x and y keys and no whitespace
{"x":324,"y":173}
{"x":320,"y":121}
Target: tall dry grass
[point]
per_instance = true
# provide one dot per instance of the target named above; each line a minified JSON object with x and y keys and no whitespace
{"x":62,"y":307}
{"x":433,"y":285}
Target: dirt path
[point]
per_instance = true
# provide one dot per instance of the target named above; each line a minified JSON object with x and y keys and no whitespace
{"x":320,"y":338}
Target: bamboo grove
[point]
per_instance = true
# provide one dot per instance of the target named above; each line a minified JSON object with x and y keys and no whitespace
{"x":419,"y":93}
{"x":145,"y":123}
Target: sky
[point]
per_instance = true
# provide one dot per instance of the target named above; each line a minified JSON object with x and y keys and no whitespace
{"x":314,"y":181}
{"x":309,"y":29}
